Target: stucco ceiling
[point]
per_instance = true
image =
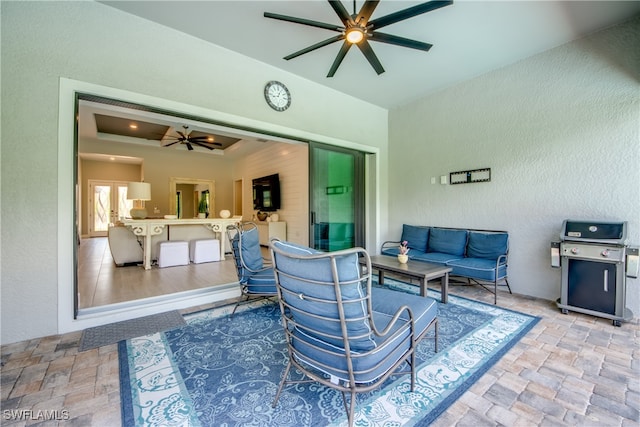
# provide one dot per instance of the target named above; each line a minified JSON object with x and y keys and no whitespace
{"x":469,"y":38}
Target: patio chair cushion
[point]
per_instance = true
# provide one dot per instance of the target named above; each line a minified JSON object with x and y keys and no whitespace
{"x":370,"y":365}
{"x":250,"y":250}
{"x":320,"y":270}
{"x":261,"y":282}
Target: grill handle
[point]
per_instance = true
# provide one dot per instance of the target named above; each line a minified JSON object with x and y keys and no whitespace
{"x":555,"y":254}
{"x":606,"y":281}
{"x":633,"y":260}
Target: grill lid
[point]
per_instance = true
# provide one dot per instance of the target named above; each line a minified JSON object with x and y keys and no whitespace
{"x":613,"y":233}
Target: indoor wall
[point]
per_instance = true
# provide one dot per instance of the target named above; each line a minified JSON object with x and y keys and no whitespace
{"x":291,"y":163}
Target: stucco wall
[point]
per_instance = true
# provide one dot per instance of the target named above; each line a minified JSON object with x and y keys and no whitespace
{"x":560,"y":134}
{"x":94,"y":43}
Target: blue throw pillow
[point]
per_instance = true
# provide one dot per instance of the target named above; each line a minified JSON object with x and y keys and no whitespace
{"x":447,"y":241}
{"x":416,"y":236}
{"x":487,"y":245}
{"x":250,"y":249}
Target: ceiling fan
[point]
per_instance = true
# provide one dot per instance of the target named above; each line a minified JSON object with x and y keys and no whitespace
{"x":358,"y":29}
{"x":186,"y":138}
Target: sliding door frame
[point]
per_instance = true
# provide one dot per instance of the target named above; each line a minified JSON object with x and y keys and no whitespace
{"x":358,"y":192}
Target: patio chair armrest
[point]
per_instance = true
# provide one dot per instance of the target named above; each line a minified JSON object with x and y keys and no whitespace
{"x":502,"y":259}
{"x":393,"y":321}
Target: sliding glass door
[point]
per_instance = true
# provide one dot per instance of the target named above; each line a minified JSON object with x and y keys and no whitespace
{"x":336,"y":197}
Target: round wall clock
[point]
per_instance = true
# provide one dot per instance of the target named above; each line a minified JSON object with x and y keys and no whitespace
{"x":277,"y":95}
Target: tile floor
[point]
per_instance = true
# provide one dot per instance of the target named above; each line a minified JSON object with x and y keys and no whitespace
{"x":570,"y":370}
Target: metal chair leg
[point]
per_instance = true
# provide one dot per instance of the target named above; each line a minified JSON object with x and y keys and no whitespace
{"x":282,"y":382}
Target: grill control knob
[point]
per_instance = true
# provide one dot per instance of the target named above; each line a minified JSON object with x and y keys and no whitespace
{"x":575,"y":251}
{"x":605,"y":253}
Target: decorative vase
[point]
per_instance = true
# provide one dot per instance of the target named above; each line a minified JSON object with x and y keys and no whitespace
{"x":202,"y":215}
{"x":262,"y":216}
{"x":403,"y":258}
{"x":274,"y":217}
{"x":225,"y":214}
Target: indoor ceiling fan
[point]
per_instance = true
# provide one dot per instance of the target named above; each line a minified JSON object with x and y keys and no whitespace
{"x":358,"y":29}
{"x":185,"y":137}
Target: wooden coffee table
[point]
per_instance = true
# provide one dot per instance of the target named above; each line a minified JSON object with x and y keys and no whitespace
{"x":423,"y":271}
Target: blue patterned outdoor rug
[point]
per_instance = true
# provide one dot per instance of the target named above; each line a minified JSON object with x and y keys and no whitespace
{"x":217,"y":371}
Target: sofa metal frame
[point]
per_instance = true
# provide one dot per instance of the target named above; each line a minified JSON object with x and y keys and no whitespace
{"x":299,"y":327}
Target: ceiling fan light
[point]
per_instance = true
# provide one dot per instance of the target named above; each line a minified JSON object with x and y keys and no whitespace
{"x":355,"y":35}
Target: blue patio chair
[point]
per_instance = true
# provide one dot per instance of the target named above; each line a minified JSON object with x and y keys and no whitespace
{"x":340,"y":331}
{"x":255,"y":275}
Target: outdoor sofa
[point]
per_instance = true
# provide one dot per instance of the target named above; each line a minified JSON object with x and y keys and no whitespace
{"x":479,"y":256}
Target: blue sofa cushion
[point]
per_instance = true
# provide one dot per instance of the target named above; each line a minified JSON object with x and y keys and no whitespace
{"x":392,"y":251}
{"x":417,"y":237}
{"x":477,"y":268}
{"x":434,"y":257}
{"x":487,"y":245}
{"x":250,"y":250}
{"x":447,"y":241}
{"x":385,"y":303}
{"x":320,"y":270}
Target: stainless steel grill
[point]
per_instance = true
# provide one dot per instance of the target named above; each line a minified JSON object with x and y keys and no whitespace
{"x":595,"y":259}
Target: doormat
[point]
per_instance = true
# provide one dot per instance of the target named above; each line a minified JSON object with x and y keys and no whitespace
{"x":127,"y":329}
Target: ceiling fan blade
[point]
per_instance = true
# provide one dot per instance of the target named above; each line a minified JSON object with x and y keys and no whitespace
{"x":366,"y":49}
{"x":204,"y":138}
{"x":400,"y":41}
{"x":342,"y":13}
{"x":170,"y":144}
{"x":189,"y":147}
{"x":203,"y":145}
{"x":302,"y":21}
{"x":182,"y":135}
{"x":341,"y":54}
{"x":366,"y":11}
{"x":408,"y":13}
{"x":314,"y":47}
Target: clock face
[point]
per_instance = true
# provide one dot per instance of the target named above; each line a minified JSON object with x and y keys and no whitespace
{"x":277,"y":96}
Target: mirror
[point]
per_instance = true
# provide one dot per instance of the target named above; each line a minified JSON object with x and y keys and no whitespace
{"x":188,"y":187}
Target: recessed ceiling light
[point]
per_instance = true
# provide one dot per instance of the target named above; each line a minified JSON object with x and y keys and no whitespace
{"x":133,"y":126}
{"x":210,"y":138}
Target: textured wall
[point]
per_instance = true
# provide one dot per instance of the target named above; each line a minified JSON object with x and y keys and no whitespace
{"x":560,"y":134}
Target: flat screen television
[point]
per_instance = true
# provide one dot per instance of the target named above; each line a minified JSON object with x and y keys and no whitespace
{"x":266,"y":193}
